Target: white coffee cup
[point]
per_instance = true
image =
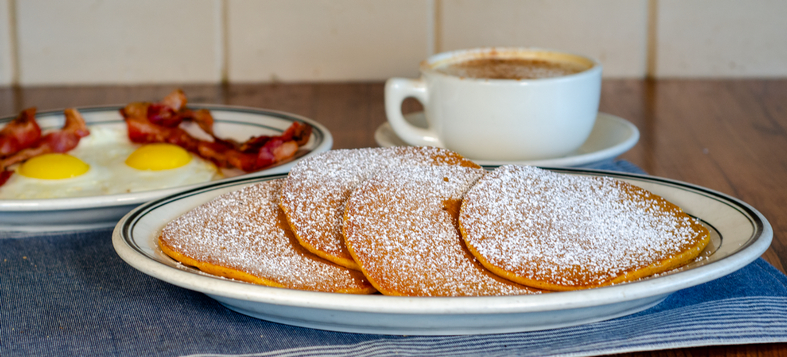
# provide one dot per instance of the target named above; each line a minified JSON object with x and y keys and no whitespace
{"x":499,"y":119}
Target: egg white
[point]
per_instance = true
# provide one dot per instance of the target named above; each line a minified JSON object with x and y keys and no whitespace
{"x":106,"y":150}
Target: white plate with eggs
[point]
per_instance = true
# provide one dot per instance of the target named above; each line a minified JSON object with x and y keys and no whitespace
{"x":110,"y":189}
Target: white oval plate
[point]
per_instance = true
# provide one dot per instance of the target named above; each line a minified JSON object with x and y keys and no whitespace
{"x":740,"y":234}
{"x":59,"y":214}
{"x":611,"y":136}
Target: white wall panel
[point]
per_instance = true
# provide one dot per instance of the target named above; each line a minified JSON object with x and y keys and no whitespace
{"x":612,"y":31}
{"x":721,"y":38}
{"x":327,"y":40}
{"x":7,"y":55}
{"x":115,"y":41}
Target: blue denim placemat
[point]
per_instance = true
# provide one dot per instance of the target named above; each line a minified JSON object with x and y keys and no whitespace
{"x":69,"y":294}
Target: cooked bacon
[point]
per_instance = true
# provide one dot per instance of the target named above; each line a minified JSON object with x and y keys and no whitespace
{"x":59,"y":141}
{"x":256,"y":153}
{"x":135,"y":110}
{"x":141,"y":130}
{"x":23,"y":155}
{"x":21,"y":133}
{"x":160,"y":123}
{"x":298,"y":132}
{"x":4,"y":176}
{"x":203,"y":118}
{"x":275,"y":149}
{"x":168,"y":112}
{"x":163,"y":115}
{"x":68,"y":137}
{"x":221,"y":152}
{"x":224,"y":155}
{"x":175,"y":100}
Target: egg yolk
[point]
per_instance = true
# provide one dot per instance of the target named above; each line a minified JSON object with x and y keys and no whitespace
{"x":53,"y":167}
{"x":158,"y":157}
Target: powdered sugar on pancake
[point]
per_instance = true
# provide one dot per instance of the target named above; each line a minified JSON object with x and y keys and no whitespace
{"x":246,"y":230}
{"x":401,"y":228}
{"x":317,"y":189}
{"x":571,"y":230}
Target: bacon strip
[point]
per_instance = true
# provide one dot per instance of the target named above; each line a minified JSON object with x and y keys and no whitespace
{"x":225,"y":155}
{"x":4,"y":176}
{"x":142,"y":130}
{"x":203,"y":118}
{"x":175,"y":100}
{"x":59,"y":141}
{"x":68,"y":137}
{"x":159,"y":123}
{"x":163,"y":115}
{"x":221,"y":152}
{"x":21,"y":133}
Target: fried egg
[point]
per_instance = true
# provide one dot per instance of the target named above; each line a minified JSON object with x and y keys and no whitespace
{"x":107,"y":162}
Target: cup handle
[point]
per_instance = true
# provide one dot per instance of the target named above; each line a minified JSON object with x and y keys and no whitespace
{"x":396,"y":91}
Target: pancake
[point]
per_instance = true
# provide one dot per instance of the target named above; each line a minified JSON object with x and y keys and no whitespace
{"x":244,"y":235}
{"x":318,"y":187}
{"x":565,"y":232}
{"x":401,"y":228}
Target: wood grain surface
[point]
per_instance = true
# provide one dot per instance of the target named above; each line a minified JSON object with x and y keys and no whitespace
{"x":726,"y":135}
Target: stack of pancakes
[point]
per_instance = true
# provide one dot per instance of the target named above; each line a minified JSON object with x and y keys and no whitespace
{"x":425,"y":221}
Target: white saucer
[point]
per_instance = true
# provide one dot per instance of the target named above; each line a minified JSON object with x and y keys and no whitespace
{"x":611,"y":136}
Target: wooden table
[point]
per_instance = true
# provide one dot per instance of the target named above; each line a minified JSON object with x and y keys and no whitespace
{"x":727,"y":135}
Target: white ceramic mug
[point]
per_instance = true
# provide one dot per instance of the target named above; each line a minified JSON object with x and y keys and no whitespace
{"x":499,"y":119}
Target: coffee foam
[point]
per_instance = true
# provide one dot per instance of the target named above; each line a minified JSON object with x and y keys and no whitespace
{"x":510,"y":68}
{"x":441,"y":61}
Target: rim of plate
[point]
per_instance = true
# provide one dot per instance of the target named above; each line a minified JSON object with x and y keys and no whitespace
{"x":323,"y":139}
{"x":126,"y":247}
